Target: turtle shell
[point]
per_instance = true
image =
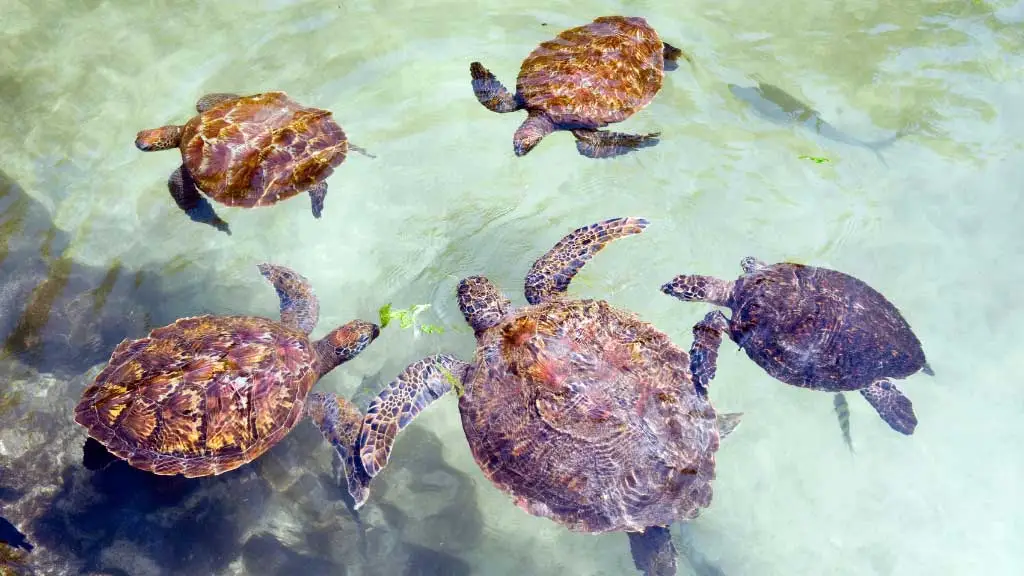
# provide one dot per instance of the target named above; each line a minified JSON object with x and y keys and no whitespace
{"x":261,"y":149}
{"x":822,"y":329}
{"x":588,"y":416}
{"x":201,"y":396}
{"x":594,"y":75}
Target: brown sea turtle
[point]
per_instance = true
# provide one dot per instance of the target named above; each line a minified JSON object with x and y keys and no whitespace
{"x":586,"y":78}
{"x":816,"y":328}
{"x":207,"y":394}
{"x":582,"y":412}
{"x":248,"y":151}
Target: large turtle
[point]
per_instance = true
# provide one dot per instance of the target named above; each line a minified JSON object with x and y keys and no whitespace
{"x":586,"y":78}
{"x":250,"y":151}
{"x":207,"y":394}
{"x":582,"y":412}
{"x":816,"y":328}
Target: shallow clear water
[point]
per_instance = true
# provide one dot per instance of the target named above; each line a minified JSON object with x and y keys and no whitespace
{"x":92,"y":250}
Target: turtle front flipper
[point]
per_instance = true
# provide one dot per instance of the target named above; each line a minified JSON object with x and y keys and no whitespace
{"x":707,"y":338}
{"x":654,"y":554}
{"x":317,"y":194}
{"x":481,"y":302}
{"x":340,"y":421}
{"x":210,"y":100}
{"x":697,"y":288}
{"x":603,"y":144}
{"x":490,"y":92}
{"x":300,"y":308}
{"x":187,"y":196}
{"x":892,"y":405}
{"x":397,"y":405}
{"x":551,"y":273}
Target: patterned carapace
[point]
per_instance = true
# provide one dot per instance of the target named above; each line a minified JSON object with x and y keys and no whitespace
{"x":816,"y":328}
{"x":258,"y":150}
{"x":585,"y":78}
{"x":207,"y":394}
{"x":582,"y":412}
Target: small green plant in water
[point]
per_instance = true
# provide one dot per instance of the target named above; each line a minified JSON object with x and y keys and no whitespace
{"x":406,"y":318}
{"x":815,"y":159}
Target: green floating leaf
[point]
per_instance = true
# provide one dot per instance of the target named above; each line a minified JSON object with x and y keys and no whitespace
{"x":385,"y":315}
{"x":406,"y":318}
{"x":815,"y":159}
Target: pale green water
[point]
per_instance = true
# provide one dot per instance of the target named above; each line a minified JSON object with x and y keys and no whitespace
{"x":937,"y":231}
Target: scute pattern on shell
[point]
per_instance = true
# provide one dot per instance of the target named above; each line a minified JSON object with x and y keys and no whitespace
{"x":261,"y":149}
{"x":201,"y":396}
{"x":587,"y":415}
{"x":822,"y":329}
{"x":594,"y":75}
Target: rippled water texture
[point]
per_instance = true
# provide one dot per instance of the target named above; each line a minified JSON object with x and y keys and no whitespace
{"x":92,"y":250}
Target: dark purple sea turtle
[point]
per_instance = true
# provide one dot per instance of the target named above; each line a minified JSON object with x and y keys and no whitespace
{"x":586,"y":78}
{"x":248,"y":151}
{"x":582,"y":412}
{"x":207,"y":394}
{"x":816,"y":328}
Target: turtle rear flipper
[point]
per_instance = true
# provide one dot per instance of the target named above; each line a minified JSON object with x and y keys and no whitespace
{"x":317,"y":194}
{"x":490,"y":92}
{"x":339,"y":421}
{"x":603,"y":144}
{"x":186,"y":195}
{"x":551,"y":273}
{"x":895,"y":408}
{"x":654,"y":554}
{"x":397,"y":405}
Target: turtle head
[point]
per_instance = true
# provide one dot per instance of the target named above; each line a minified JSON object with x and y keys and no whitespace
{"x":482,"y":303}
{"x":697,"y":288}
{"x":162,"y":138}
{"x":530,"y":133}
{"x":345,"y":343}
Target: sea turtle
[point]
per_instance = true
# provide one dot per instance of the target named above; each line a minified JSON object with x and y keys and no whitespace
{"x":250,"y":151}
{"x":586,"y":78}
{"x":207,"y":394}
{"x":582,"y":412}
{"x":816,"y":328}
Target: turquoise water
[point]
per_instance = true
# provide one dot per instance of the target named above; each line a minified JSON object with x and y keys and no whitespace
{"x":95,"y":251}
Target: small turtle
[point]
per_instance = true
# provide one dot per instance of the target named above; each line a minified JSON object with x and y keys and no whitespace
{"x":582,"y":412}
{"x":250,"y":151}
{"x":586,"y":78}
{"x":207,"y":394}
{"x":816,"y":328}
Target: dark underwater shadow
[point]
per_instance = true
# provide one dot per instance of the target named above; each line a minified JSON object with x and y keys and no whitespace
{"x":62,"y":317}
